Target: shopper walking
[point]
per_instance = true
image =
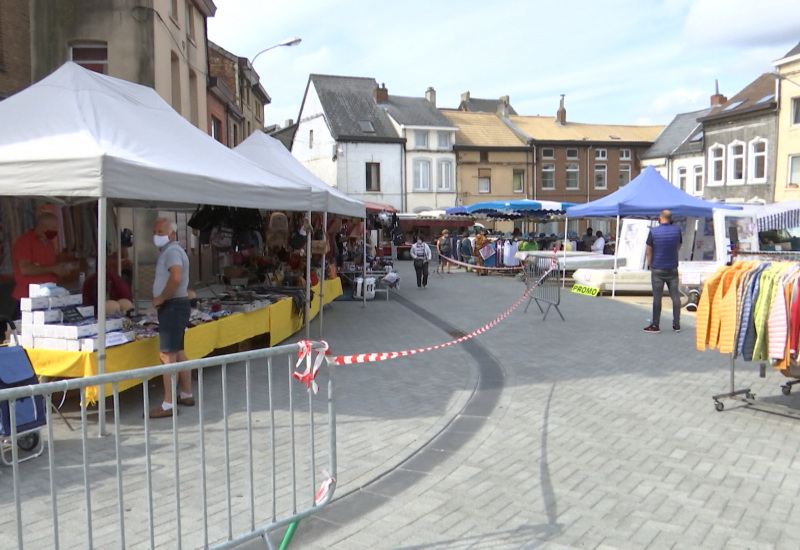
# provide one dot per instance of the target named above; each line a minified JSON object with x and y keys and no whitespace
{"x":171,"y":299}
{"x":663,"y":244}
{"x":421,"y":254}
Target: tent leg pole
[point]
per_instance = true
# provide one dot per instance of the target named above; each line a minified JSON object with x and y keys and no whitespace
{"x":364,"y":265}
{"x":322,"y":280}
{"x":102,"y":231}
{"x":564,"y":267}
{"x":135,"y":280}
{"x":616,"y":252}
{"x":308,"y":276}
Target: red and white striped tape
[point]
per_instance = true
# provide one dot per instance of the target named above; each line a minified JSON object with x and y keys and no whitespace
{"x":370,"y":357}
{"x":307,"y":376}
{"x":442,"y":260}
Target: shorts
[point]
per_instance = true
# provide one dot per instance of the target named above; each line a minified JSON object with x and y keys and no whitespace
{"x":173,"y":318}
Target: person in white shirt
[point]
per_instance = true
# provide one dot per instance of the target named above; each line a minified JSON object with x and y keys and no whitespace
{"x":599,"y":243}
{"x":421,"y":254}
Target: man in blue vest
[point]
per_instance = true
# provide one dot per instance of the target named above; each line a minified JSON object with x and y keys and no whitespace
{"x":663,"y":244}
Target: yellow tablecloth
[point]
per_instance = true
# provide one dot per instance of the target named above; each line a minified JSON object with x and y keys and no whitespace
{"x":279,"y":320}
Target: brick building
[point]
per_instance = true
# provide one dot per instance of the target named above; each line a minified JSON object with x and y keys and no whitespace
{"x":15,"y":46}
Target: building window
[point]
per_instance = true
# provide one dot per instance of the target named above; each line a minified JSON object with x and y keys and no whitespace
{"x":366,"y":126}
{"x":91,"y":56}
{"x":624,"y":154}
{"x":795,"y":110}
{"x":600,"y":173}
{"x":484,"y":181}
{"x":698,"y":180}
{"x":373,"y":176}
{"x":483,"y":156}
{"x":682,"y":179}
{"x":175,"y":75}
{"x":757,"y":163}
{"x":420,"y":139}
{"x":624,"y":175}
{"x":548,"y":176}
{"x":716,"y":162}
{"x":422,"y":175}
{"x":216,"y":129}
{"x":548,"y":153}
{"x":794,"y":171}
{"x":600,"y":154}
{"x":519,"y":181}
{"x":573,"y":173}
{"x":572,"y":154}
{"x":194,"y":105}
{"x":444,"y":172}
{"x":444,"y":140}
{"x":736,"y":163}
{"x":311,"y":139}
{"x":190,"y":21}
{"x":173,"y":9}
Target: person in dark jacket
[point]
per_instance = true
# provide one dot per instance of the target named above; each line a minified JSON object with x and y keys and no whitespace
{"x":663,"y":244}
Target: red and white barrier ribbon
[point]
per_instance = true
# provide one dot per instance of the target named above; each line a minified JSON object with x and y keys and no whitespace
{"x":442,"y":260}
{"x":370,"y":357}
{"x":307,"y":376}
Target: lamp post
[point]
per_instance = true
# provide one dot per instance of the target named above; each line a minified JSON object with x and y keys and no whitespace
{"x":288,"y":42}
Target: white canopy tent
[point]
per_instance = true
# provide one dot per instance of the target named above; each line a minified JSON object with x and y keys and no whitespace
{"x":270,"y":154}
{"x":78,"y":136}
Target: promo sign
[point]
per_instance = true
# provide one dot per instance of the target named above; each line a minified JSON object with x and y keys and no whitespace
{"x":585,"y":290}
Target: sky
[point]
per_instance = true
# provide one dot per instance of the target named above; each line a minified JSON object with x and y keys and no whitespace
{"x":616,"y":61}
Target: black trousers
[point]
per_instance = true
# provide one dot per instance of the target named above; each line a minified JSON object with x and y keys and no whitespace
{"x":422,"y":273}
{"x":658,"y":277}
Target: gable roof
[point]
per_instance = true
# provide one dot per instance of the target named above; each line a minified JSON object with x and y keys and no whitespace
{"x":285,"y":135}
{"x":476,"y":105}
{"x":794,"y":51}
{"x":347,"y":101}
{"x":676,"y":133}
{"x":414,"y":111}
{"x":757,"y":96}
{"x":482,"y":130}
{"x":542,"y":128}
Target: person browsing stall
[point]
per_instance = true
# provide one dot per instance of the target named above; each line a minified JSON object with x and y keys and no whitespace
{"x":445,"y":250}
{"x":663,"y":244}
{"x":599,"y":243}
{"x":171,"y":299}
{"x":587,"y":240}
{"x":421,"y":254}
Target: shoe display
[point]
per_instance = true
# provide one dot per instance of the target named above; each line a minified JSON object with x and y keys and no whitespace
{"x":676,"y":328}
{"x":186,"y":401}
{"x":652,"y":329}
{"x":158,"y":412}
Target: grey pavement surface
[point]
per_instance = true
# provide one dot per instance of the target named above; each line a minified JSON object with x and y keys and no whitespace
{"x":586,"y":433}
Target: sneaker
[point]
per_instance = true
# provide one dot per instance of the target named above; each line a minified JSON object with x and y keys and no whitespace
{"x":676,"y":328}
{"x":652,"y":329}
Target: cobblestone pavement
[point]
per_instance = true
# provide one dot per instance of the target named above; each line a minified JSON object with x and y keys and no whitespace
{"x":593,"y":435}
{"x":586,"y":433}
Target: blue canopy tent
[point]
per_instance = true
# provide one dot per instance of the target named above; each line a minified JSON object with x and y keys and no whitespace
{"x":516,"y":209}
{"x":646,"y":195}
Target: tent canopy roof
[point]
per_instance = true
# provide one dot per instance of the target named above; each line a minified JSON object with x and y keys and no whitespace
{"x":270,"y":154}
{"x":646,"y":195}
{"x":78,"y":135}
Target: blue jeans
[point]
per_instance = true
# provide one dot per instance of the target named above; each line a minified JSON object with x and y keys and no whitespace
{"x":658,"y":277}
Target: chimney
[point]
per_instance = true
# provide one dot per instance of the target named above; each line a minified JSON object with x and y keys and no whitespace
{"x":465,"y":97}
{"x":561,"y":115}
{"x":717,"y":98}
{"x":502,"y":108}
{"x":288,"y":122}
{"x":381,"y":94}
{"x":430,"y":95}
{"x":505,"y":99}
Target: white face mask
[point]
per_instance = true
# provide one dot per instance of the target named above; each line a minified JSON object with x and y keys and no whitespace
{"x":419,"y":241}
{"x":160,"y":240}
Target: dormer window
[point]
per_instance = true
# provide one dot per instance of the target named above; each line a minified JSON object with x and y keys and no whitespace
{"x":366,"y":126}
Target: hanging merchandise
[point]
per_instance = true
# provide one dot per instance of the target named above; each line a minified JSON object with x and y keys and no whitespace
{"x":278,"y":230}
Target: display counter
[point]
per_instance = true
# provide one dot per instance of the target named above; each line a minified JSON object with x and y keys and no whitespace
{"x":280,"y":320}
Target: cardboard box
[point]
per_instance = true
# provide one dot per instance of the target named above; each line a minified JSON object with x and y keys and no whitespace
{"x":64,"y":301}
{"x":34,"y":304}
{"x":90,"y":344}
{"x":83,"y":331}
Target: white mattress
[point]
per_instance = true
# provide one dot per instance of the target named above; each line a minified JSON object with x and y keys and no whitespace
{"x":691,"y":274}
{"x":575,"y":260}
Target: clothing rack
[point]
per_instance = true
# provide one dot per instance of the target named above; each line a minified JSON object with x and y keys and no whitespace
{"x":745,"y":395}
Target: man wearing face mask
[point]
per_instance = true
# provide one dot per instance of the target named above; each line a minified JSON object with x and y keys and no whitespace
{"x":34,"y":257}
{"x":171,"y":299}
{"x":421,"y":254}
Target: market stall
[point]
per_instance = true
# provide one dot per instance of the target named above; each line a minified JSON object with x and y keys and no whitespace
{"x":78,"y":136}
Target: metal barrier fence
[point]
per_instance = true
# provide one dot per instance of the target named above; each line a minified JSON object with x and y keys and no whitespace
{"x":548,"y":291}
{"x":240,"y":464}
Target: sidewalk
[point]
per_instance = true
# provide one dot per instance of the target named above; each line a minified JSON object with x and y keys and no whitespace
{"x":587,"y":433}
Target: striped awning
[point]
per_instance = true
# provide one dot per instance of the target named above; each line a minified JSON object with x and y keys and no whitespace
{"x":780,"y":215}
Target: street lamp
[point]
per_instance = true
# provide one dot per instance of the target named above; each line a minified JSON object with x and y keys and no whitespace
{"x":288,"y":42}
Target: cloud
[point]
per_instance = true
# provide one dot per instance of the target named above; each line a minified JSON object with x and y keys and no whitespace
{"x":742,"y":23}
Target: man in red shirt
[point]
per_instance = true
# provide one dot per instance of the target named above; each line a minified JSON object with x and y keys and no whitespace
{"x":34,"y":256}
